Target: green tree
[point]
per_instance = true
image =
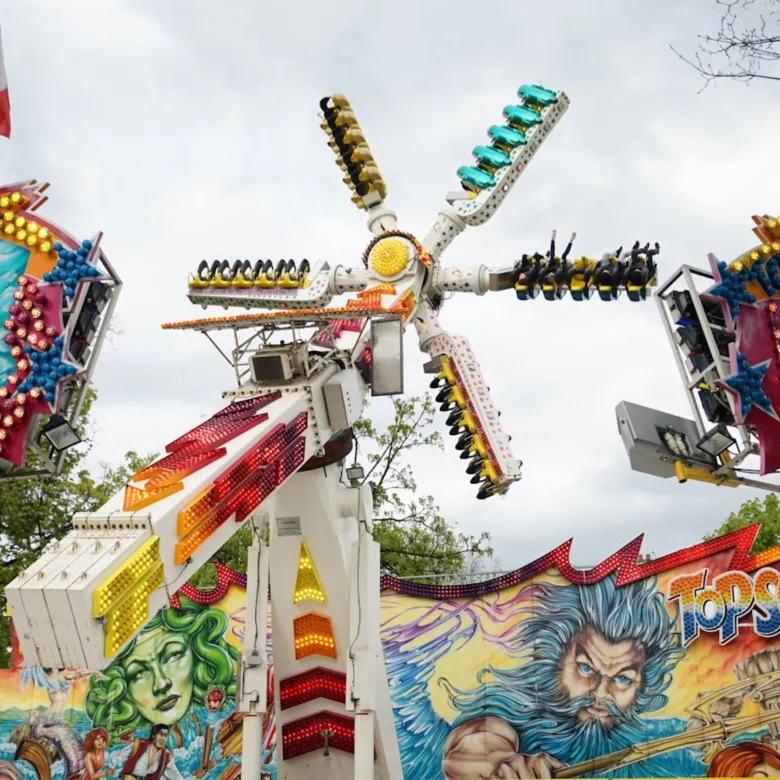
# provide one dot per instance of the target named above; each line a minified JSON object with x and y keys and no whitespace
{"x":766,"y":512}
{"x":232,"y":554}
{"x":414,"y":536}
{"x":35,"y":512}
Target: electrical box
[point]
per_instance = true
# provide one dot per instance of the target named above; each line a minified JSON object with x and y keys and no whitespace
{"x":654,"y":440}
{"x":275,"y":365}
{"x":343,"y":399}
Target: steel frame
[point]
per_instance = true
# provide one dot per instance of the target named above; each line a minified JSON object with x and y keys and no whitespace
{"x":720,"y":367}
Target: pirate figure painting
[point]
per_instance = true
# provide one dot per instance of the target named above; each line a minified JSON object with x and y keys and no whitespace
{"x":149,"y":759}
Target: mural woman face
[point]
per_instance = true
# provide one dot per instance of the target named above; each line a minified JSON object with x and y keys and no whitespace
{"x":159,"y":673}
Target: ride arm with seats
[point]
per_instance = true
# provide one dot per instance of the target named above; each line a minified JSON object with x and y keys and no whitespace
{"x":471,"y":414}
{"x":631,"y":271}
{"x":89,"y":595}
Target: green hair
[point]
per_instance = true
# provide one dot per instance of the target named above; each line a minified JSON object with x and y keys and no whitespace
{"x":108,"y":702}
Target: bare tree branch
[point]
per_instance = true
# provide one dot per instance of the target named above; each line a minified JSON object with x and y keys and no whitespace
{"x":745,"y":45}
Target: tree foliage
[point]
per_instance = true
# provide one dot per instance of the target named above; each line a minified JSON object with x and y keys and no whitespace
{"x":36,"y":512}
{"x":415,"y":538}
{"x":766,"y":512}
{"x":232,"y":554}
{"x":746,"y":45}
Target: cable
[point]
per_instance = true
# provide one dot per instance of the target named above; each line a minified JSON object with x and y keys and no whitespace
{"x":257,"y":591}
{"x":167,"y":586}
{"x":359,"y":608}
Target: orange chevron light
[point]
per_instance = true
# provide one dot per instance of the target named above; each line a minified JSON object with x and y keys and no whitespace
{"x":265,"y":451}
{"x":372,"y":297}
{"x":243,"y":487}
{"x":405,"y":305}
{"x":137,"y":498}
{"x":344,"y":312}
{"x":313,"y":634}
{"x":307,"y":584}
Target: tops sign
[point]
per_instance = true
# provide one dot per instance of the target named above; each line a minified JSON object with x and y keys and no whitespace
{"x":719,"y":605}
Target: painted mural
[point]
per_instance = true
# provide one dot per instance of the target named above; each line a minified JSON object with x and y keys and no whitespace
{"x":13,"y":262}
{"x":662,"y":668}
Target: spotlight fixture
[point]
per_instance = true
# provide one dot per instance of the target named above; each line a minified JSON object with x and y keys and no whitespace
{"x":355,"y":474}
{"x":60,"y":434}
{"x":716,"y":441}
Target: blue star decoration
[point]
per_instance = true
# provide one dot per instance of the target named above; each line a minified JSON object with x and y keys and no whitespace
{"x":747,"y":384}
{"x":48,"y":368}
{"x":731,"y":287}
{"x":72,"y":267}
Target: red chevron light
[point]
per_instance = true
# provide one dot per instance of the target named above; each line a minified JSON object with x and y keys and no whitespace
{"x":319,"y":683}
{"x":194,"y":450}
{"x":308,"y":734}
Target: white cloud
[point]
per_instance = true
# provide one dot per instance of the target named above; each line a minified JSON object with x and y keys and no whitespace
{"x":189,"y":129}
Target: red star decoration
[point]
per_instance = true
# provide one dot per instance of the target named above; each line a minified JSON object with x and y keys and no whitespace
{"x":756,"y":340}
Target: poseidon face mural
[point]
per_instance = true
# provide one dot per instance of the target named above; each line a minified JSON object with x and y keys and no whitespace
{"x":664,"y":668}
{"x":591,"y":662}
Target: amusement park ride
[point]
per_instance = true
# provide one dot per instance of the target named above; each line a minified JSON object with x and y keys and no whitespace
{"x":273,"y":454}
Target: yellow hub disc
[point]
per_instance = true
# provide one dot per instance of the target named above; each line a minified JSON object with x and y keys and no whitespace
{"x":389,"y":257}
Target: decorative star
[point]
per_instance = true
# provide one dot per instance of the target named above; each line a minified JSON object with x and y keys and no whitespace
{"x":758,"y":345}
{"x":730,"y":288}
{"x":748,"y":385}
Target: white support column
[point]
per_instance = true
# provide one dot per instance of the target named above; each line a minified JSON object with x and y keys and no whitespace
{"x":316,"y":508}
{"x":366,"y":676}
{"x":253,"y":667}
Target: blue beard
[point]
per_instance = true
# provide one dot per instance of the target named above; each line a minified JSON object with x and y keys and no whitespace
{"x":554,"y":727}
{"x":558,"y":730}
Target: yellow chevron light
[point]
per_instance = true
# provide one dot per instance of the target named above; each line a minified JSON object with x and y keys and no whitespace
{"x":118,"y":584}
{"x":307,"y":584}
{"x":132,"y":611}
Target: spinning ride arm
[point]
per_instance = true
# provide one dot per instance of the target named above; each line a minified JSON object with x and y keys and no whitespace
{"x":498,"y":165}
{"x":121,"y":564}
{"x":472,"y":416}
{"x":631,"y":271}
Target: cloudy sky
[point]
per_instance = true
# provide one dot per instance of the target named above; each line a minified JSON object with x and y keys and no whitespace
{"x":188,"y":129}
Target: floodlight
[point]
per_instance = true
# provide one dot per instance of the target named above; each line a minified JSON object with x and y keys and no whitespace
{"x":60,"y":434}
{"x":387,"y":356}
{"x":355,"y":474}
{"x":716,"y":441}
